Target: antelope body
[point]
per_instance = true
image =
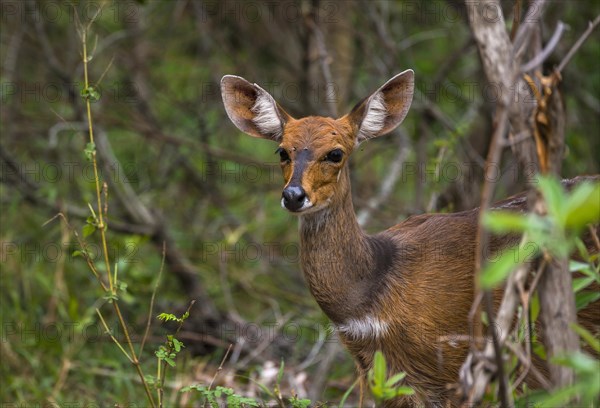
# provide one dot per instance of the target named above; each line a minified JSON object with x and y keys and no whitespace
{"x":399,"y":291}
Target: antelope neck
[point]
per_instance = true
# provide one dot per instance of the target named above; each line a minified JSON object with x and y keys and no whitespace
{"x":342,"y":265}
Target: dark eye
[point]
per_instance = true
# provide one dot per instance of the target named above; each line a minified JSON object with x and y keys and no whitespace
{"x":283,"y":155}
{"x":335,"y":156}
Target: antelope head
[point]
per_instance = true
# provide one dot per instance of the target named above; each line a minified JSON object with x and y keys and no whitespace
{"x":314,"y":150}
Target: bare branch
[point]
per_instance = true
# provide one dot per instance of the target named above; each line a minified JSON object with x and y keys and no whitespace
{"x":220,"y":368}
{"x":387,"y":186}
{"x":324,"y":60}
{"x":548,"y":49}
{"x":578,"y":44}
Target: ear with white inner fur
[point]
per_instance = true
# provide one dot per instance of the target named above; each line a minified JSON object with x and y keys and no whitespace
{"x":385,"y":109}
{"x":252,"y":109}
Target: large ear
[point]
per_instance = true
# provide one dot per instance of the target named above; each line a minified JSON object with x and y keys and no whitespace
{"x":252,"y":109}
{"x":385,"y":109}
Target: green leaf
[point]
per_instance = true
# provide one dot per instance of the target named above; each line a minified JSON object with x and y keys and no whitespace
{"x":494,"y":272}
{"x":578,"y":361}
{"x":299,"y":403}
{"x":505,"y":221}
{"x":280,"y":372}
{"x":177,"y":345}
{"x":122,"y":286}
{"x":150,"y":379}
{"x":404,"y":391}
{"x":588,"y":337}
{"x":169,"y":361}
{"x":193,"y":387}
{"x":90,"y":93}
{"x":90,"y":149}
{"x":557,"y":399}
{"x":395,"y":379}
{"x":582,"y":299}
{"x":111,"y":297}
{"x":379,"y":368}
{"x":166,"y":317}
{"x":583,"y":206}
{"x":539,"y":349}
{"x":347,"y":394}
{"x":554,"y":197}
{"x":582,"y":283}
{"x":88,"y":229}
{"x":576,"y":266}
{"x":583,"y":252}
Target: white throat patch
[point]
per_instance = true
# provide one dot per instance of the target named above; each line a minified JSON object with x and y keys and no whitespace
{"x":369,"y":327}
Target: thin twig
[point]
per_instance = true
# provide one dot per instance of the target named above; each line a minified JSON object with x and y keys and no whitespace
{"x":109,"y":332}
{"x":150,"y":311}
{"x":525,"y":360}
{"x":516,"y":19}
{"x":325,"y":60}
{"x":387,"y":186}
{"x":594,"y":236}
{"x":548,"y":49}
{"x":538,"y":275}
{"x":578,"y":44}
{"x":83,"y":246}
{"x":220,"y":368}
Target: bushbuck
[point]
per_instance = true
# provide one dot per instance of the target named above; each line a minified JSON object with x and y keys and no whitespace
{"x":400,"y":291}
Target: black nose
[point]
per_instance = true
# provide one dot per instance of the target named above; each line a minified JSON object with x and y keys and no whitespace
{"x":293,"y":197}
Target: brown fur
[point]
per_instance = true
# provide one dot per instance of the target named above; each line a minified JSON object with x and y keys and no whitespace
{"x":417,"y":277}
{"x":425,"y":297}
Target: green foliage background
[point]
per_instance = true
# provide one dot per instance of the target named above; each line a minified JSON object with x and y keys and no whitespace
{"x":217,"y":190}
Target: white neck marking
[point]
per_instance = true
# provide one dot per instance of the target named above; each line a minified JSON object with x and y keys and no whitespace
{"x":368,"y":327}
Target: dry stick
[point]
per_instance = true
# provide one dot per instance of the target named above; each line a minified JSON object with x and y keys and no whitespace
{"x":220,"y":368}
{"x":578,"y":44}
{"x":525,"y":360}
{"x":150,"y":311}
{"x":527,"y":313}
{"x":516,"y":19}
{"x":594,"y":236}
{"x":548,"y":49}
